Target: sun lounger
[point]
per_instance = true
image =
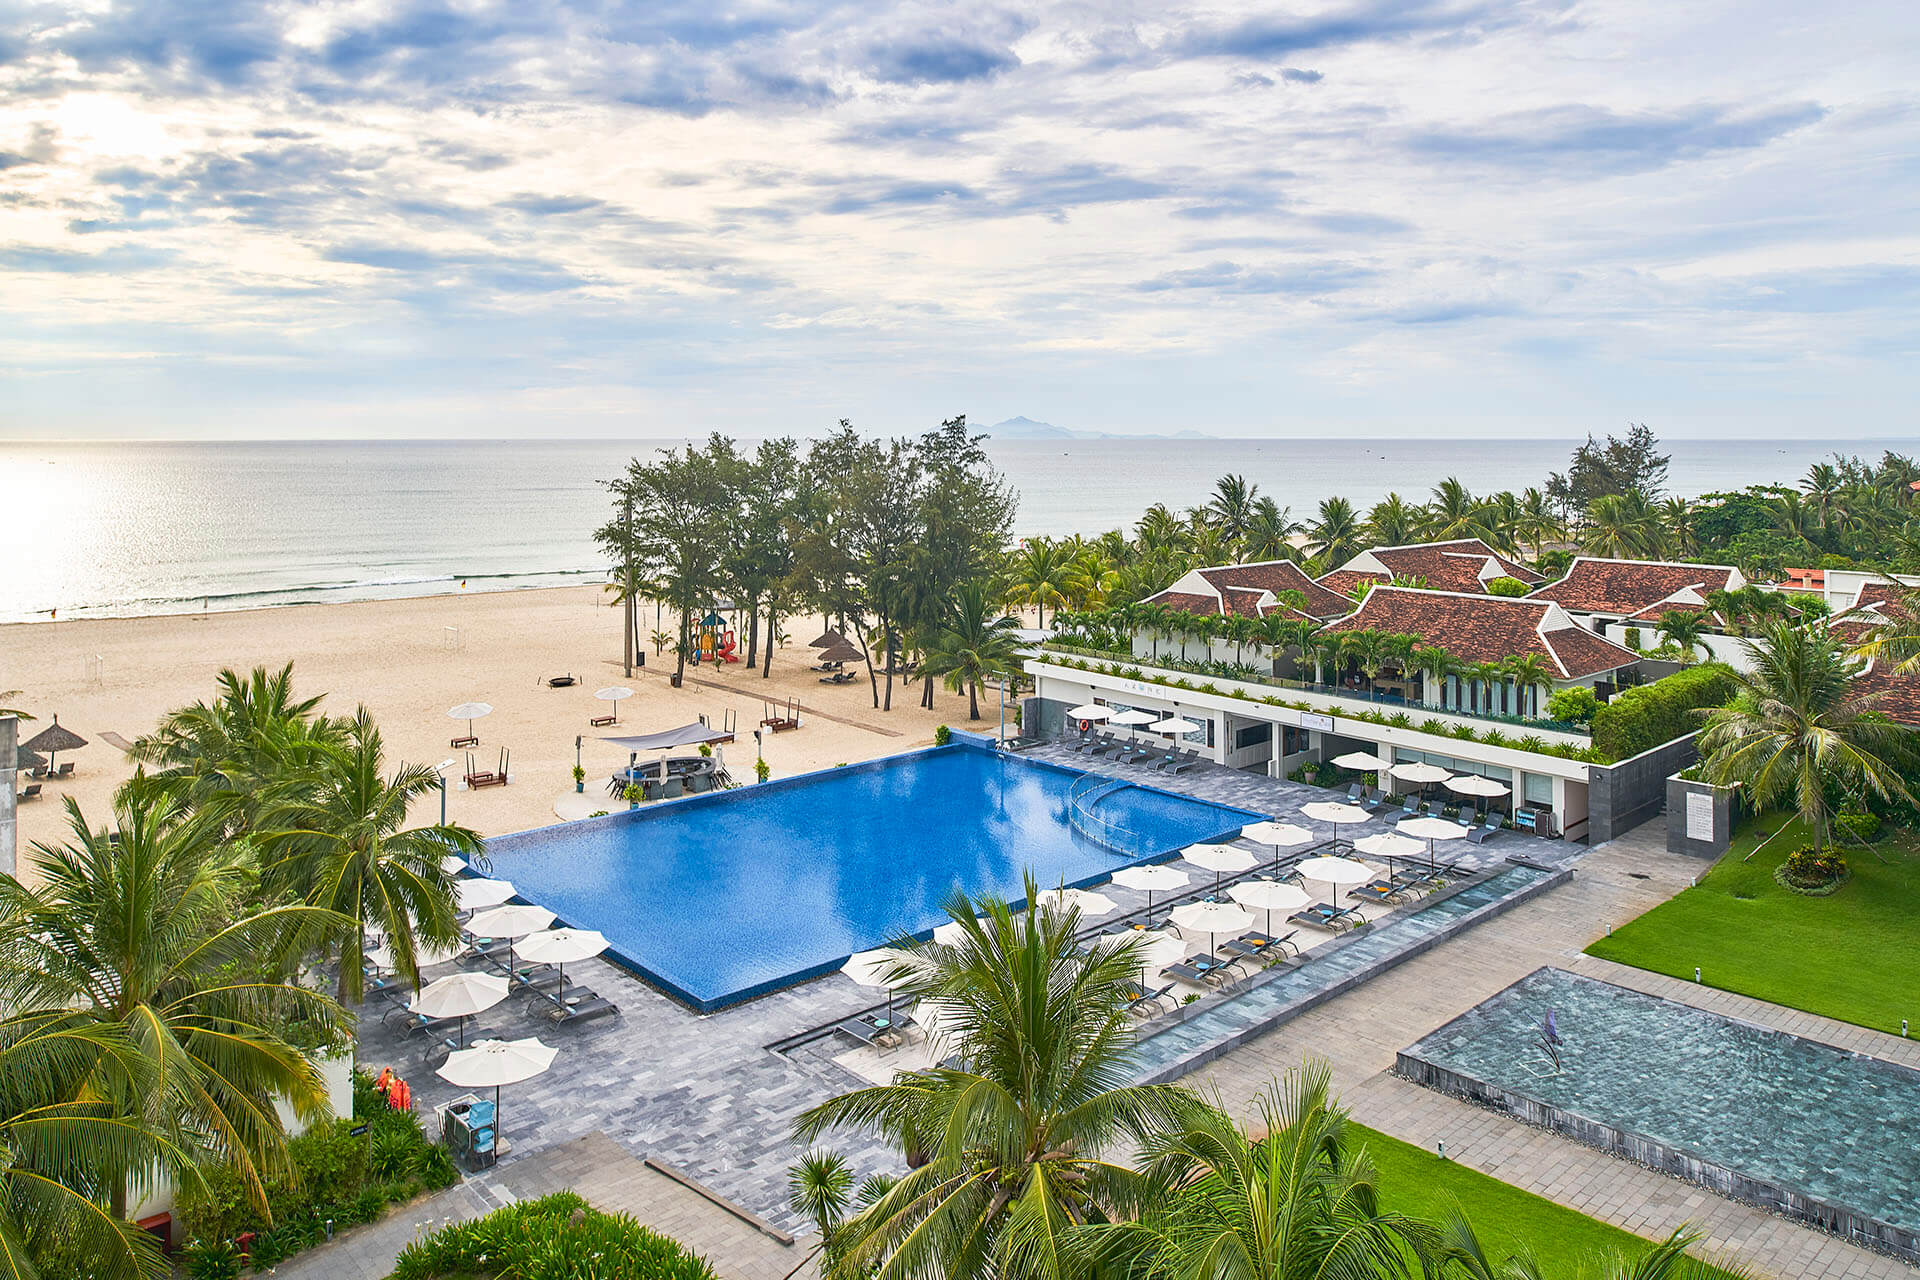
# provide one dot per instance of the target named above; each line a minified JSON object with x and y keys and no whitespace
{"x":31,"y":793}
{"x":1357,"y":794}
{"x":1410,"y":807}
{"x":65,"y":770}
{"x":1145,"y":1001}
{"x":1188,"y":760}
{"x":878,"y":1030}
{"x":1486,"y":831}
{"x":1258,"y":946}
{"x":1381,"y":891}
{"x":1138,"y":756}
{"x":841,"y":677}
{"x":1200,"y":970}
{"x":579,"y":1005}
{"x":1323,"y":915}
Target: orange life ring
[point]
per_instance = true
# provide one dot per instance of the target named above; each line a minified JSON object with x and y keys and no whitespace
{"x":1086,"y":726}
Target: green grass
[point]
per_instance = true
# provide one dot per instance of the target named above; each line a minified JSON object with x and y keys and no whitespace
{"x":1849,"y":956}
{"x":1508,"y":1220}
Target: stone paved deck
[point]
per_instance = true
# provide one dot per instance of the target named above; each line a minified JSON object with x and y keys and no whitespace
{"x":1360,"y":1033}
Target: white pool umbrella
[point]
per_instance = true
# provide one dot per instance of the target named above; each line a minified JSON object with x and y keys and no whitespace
{"x":1275,"y":834}
{"x":1269,"y":896}
{"x":1090,"y":711}
{"x":493,"y":1063}
{"x":875,"y":968}
{"x":1212,"y":919}
{"x":1337,"y":872}
{"x":1431,"y":829}
{"x":1219,"y":859}
{"x":562,"y":947}
{"x":1155,"y":950}
{"x":1387,"y":844}
{"x":613,"y":693}
{"x":425,"y":955}
{"x":1176,"y":726}
{"x":459,"y":995}
{"x":1473,"y":784}
{"x":452,"y":863}
{"x":472,"y":894}
{"x":940,"y":1021}
{"x":1085,"y":901}
{"x":1338,"y":814}
{"x":1414,"y":771}
{"x":1132,"y":717}
{"x":1159,"y":878}
{"x":1361,"y":762}
{"x":509,"y":922}
{"x":950,"y":934}
{"x":469,"y":711}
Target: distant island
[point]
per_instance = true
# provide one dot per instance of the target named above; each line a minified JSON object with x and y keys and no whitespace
{"x":1024,"y":428}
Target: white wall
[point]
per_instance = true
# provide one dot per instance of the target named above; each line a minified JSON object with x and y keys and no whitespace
{"x":1728,"y":649}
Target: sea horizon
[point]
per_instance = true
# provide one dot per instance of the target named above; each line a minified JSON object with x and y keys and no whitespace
{"x":145,"y":528}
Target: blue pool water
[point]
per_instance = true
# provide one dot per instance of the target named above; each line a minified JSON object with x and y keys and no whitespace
{"x":722,"y":897}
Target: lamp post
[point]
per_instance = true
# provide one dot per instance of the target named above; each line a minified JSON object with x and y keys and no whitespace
{"x":1003,"y":711}
{"x":441,"y":769}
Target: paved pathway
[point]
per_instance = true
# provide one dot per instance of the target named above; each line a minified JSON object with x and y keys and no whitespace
{"x":595,"y":1167}
{"x":1359,"y":1034}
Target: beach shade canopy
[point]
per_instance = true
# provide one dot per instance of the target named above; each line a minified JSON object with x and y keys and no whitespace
{"x":1084,"y":901}
{"x":876,"y":968}
{"x":1275,"y":833}
{"x":1472,"y":784}
{"x":493,"y":1063}
{"x":1269,"y":896}
{"x":1212,"y":919}
{"x":1219,"y":858}
{"x":1364,"y":763}
{"x":1132,"y":718}
{"x":25,"y":759}
{"x":842,"y":652}
{"x":942,"y":1021}
{"x":469,"y":711}
{"x":1338,"y":814}
{"x":425,"y":954}
{"x":1175,"y":725}
{"x":613,"y":693}
{"x":561,"y":947}
{"x":513,"y":921}
{"x":687,"y":735}
{"x":460,"y":995}
{"x":1151,"y":879}
{"x":1387,"y":844}
{"x":825,"y":638}
{"x":472,"y":895}
{"x":1431,"y":829}
{"x":950,"y":934}
{"x":453,"y":864}
{"x":1335,"y":871}
{"x":1090,"y":711}
{"x":54,"y":739}
{"x":1420,"y":773}
{"x":1155,"y":951}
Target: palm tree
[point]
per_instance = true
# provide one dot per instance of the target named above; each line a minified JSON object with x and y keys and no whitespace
{"x":1538,"y":523}
{"x":1798,"y":727}
{"x":1231,"y":507}
{"x":1334,"y":537}
{"x":1011,"y":1151}
{"x":1039,"y":574}
{"x":1676,"y":515}
{"x":1622,"y":526}
{"x":1300,"y":1201}
{"x":1529,"y":673}
{"x":1456,"y":513}
{"x":972,"y":646}
{"x":1270,"y":531}
{"x":147,"y":934}
{"x":6,"y":696}
{"x":344,"y":845}
{"x":1822,"y":484}
{"x":1434,"y":664}
{"x":1392,"y":522}
{"x":1683,"y":628}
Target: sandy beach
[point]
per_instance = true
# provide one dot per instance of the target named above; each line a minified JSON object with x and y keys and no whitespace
{"x":408,"y":661}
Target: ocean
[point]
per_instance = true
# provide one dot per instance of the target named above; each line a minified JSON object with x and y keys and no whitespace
{"x":121,"y":529}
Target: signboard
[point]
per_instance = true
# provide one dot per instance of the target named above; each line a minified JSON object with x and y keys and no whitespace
{"x":358,"y":1130}
{"x":1699,"y":816}
{"x":1310,"y":720}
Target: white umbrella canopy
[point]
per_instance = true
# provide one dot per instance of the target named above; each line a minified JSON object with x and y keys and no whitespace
{"x":1158,"y":877}
{"x":514,"y":921}
{"x":453,"y":864}
{"x":1175,"y":725}
{"x":471,"y":895}
{"x":1387,"y":845}
{"x":1085,"y":901}
{"x":1132,"y":717}
{"x":1473,"y":784}
{"x":1221,"y":859}
{"x":460,"y":995}
{"x":562,"y":947}
{"x":875,"y":968}
{"x":493,"y":1063}
{"x":1269,"y":896}
{"x":1431,"y":829}
{"x":1335,"y":871}
{"x":613,"y":693}
{"x":1155,"y":950}
{"x":1363,"y":762}
{"x":941,"y":1021}
{"x":950,"y":934}
{"x":1420,"y":773}
{"x":1212,"y":919}
{"x":1276,"y":833}
{"x":1090,"y":711}
{"x":1338,"y":814}
{"x":469,"y":711}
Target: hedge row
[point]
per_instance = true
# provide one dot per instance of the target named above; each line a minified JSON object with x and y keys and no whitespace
{"x":557,"y":1237}
{"x":1642,"y":718}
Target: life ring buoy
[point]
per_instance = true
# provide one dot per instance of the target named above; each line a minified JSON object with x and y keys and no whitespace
{"x":1086,"y":726}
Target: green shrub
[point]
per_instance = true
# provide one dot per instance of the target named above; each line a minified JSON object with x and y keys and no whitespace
{"x":557,"y":1237}
{"x":1662,"y":711}
{"x":942,"y":735}
{"x":1504,"y":586}
{"x":1807,"y":870}
{"x":1632,"y":639}
{"x":1576,"y":705}
{"x":1862,"y":827}
{"x":762,"y":770}
{"x":217,"y":1261}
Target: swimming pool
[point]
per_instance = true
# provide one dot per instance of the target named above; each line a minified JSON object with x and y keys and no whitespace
{"x":722,"y":897}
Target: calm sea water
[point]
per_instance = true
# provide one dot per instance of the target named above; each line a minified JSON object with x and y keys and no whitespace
{"x":126,"y":529}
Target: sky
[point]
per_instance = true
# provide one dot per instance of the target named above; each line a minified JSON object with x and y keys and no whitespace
{"x":254,"y":218}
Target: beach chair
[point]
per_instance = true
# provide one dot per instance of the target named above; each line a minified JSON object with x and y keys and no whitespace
{"x":1138,"y":755}
{"x":1202,"y":971}
{"x":38,"y":771}
{"x":1322,"y":915}
{"x":1487,"y":830}
{"x":1357,"y":794}
{"x":1381,"y":891}
{"x":1468,"y":817}
{"x":578,"y":1005}
{"x":1188,"y":760}
{"x":1410,"y":807}
{"x":31,"y":793}
{"x":66,"y":770}
{"x":1144,"y":1002}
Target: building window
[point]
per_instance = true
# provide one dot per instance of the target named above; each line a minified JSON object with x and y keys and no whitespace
{"x":1252,"y":735}
{"x":1539,"y":789}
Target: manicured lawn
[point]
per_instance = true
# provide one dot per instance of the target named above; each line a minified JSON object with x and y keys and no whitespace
{"x":1416,"y":1181}
{"x":1850,"y":956}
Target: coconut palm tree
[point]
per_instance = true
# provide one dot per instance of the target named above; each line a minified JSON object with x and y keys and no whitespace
{"x":146,"y":932}
{"x":1334,"y":537}
{"x":1683,"y":628}
{"x":1622,"y":526}
{"x":972,"y":646}
{"x":343,"y":844}
{"x":1529,"y":673}
{"x":1302,"y":1200}
{"x":1231,"y":507}
{"x":1040,"y":574}
{"x":1798,"y":727}
{"x":1456,"y":513}
{"x":1270,"y":532}
{"x":1538,"y":523}
{"x":1010,"y":1152}
{"x":1434,"y":665}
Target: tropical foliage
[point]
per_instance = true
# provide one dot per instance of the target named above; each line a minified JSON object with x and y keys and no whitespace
{"x":556,"y":1237}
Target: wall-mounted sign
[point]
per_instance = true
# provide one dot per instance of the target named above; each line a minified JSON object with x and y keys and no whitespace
{"x":1699,"y":816}
{"x":1311,"y":720}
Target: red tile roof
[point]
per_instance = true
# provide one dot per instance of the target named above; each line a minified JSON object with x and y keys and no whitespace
{"x":1482,"y":628}
{"x":1445,"y":566}
{"x":1625,"y":587}
{"x":1896,"y":696}
{"x":1277,"y":576}
{"x":1185,"y":603}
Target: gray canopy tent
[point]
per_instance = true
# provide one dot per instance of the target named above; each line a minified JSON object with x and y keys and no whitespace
{"x":687,"y":735}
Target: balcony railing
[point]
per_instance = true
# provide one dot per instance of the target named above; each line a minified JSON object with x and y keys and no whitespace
{"x":1249,"y":675}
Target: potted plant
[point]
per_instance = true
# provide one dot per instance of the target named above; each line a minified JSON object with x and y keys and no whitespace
{"x":633,"y":795}
{"x":762,"y":770}
{"x":579,"y":780}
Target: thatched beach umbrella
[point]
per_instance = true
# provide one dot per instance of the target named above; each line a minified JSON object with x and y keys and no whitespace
{"x":54,"y":739}
{"x":826,"y":638}
{"x":841,"y":652}
{"x":29,"y":760}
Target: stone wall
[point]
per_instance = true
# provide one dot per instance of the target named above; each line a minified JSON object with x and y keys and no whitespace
{"x":1042,"y":717}
{"x":1700,"y":817}
{"x":1622,"y":796}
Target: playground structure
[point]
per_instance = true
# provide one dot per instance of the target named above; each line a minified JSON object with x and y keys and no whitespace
{"x":714,"y":641}
{"x":779,"y":716}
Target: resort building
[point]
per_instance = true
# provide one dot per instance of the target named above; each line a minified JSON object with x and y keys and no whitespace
{"x":1463,"y":564}
{"x":1248,"y":591}
{"x":1625,"y":600}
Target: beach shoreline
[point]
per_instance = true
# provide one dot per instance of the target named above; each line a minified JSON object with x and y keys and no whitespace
{"x":408,"y":660}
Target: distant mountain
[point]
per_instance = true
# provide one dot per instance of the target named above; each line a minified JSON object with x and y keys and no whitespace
{"x":1025,"y":428}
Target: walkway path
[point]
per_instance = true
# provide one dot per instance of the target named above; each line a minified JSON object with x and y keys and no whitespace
{"x":1359,"y":1034}
{"x":595,"y":1167}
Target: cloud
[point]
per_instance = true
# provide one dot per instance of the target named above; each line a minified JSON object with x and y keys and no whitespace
{"x":1272,"y":37}
{"x":1234,"y":278}
{"x":119,"y":260}
{"x":1300,"y":75}
{"x":939,"y":61}
{"x":1604,"y":140}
